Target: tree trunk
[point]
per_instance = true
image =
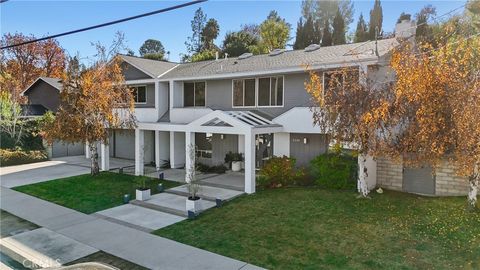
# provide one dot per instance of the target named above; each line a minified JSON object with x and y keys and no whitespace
{"x":474,"y":181}
{"x":362,"y":175}
{"x":94,"y":169}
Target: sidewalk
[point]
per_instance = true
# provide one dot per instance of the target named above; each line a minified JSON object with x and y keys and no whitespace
{"x":133,"y":245}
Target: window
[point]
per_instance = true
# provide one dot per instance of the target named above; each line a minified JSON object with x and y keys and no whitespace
{"x":203,"y":143}
{"x":338,"y":78}
{"x":244,"y":93}
{"x":194,"y":94}
{"x":258,"y":92}
{"x":139,"y":94}
{"x":270,"y":91}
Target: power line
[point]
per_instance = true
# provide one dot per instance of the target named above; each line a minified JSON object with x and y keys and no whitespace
{"x":107,"y":23}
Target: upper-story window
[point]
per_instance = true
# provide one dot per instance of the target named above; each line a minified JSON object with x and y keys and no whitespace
{"x":261,"y":92}
{"x":337,"y":78}
{"x":194,"y":94}
{"x":139,"y":94}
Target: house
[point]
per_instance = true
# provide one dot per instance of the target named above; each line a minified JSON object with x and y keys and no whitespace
{"x":44,"y":95}
{"x":256,"y":105}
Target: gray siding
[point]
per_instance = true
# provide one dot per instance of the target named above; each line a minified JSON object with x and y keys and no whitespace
{"x":44,"y":94}
{"x":219,"y":95}
{"x":316,"y":144}
{"x":124,"y":145}
{"x":221,"y":147}
{"x":132,"y":73}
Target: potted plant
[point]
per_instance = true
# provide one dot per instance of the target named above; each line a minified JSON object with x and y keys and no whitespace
{"x":142,"y":193}
{"x":235,"y":159}
{"x":193,"y":202}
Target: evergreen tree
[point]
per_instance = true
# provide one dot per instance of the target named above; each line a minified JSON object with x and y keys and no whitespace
{"x":361,"y":33}
{"x":299,"y":36}
{"x":404,"y":16}
{"x":237,"y":43}
{"x":209,"y":34}
{"x":194,"y":43}
{"x":152,"y":49}
{"x":424,"y":32}
{"x":338,"y":36}
{"x":376,"y":20}
{"x":327,"y":35}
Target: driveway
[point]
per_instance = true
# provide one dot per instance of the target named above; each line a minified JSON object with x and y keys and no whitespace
{"x":20,"y":175}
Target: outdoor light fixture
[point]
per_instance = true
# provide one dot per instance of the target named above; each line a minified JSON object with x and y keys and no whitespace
{"x":305,"y":140}
{"x":222,"y":136}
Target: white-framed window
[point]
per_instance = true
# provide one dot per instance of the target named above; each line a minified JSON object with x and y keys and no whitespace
{"x":258,"y":92}
{"x":139,"y":93}
{"x":194,"y":94}
{"x":270,"y":92}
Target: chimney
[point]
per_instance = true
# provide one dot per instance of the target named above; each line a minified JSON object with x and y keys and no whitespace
{"x":405,"y":29}
{"x":216,"y":56}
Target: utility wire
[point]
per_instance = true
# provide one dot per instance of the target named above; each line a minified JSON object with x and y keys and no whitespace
{"x":106,"y":24}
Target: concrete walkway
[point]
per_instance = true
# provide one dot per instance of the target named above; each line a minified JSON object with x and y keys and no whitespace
{"x":130,"y":244}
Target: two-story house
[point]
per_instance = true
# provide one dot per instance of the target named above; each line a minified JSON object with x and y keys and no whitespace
{"x":256,"y":105}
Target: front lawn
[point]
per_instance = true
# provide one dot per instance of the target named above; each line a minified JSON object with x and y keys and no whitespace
{"x":301,"y":228}
{"x":89,"y":194}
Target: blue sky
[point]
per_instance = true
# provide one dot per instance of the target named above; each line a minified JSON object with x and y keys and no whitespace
{"x":172,"y":28}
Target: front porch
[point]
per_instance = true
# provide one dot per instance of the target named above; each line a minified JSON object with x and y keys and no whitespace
{"x":172,"y":143}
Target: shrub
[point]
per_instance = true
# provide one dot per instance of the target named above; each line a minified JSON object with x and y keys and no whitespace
{"x":280,"y":171}
{"x":17,"y":157}
{"x":211,"y":169}
{"x":333,"y":170}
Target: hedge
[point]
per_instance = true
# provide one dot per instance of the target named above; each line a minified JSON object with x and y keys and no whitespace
{"x":17,"y":157}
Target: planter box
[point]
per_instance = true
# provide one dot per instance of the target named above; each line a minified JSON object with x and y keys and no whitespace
{"x":142,"y":195}
{"x":195,"y":206}
{"x":236,"y":166}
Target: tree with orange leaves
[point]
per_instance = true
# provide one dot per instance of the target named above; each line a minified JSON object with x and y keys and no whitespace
{"x":434,"y":108}
{"x":93,"y":101}
{"x":343,"y":101}
{"x":22,"y":65}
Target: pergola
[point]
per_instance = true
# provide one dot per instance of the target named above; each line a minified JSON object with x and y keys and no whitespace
{"x":246,"y":124}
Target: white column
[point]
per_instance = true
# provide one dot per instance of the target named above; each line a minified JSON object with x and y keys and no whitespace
{"x":172,"y":149}
{"x":87,"y":151}
{"x":249,"y":163}
{"x":105,"y":156}
{"x":189,"y":160}
{"x":139,"y":151}
{"x":157,"y":149}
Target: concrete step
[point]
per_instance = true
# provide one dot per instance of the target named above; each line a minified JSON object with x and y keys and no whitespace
{"x":209,"y":184}
{"x":170,"y":203}
{"x":208,"y":192}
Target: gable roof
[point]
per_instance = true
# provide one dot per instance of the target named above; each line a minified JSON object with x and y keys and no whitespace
{"x":293,"y":59}
{"x":54,"y":82}
{"x":153,"y":68}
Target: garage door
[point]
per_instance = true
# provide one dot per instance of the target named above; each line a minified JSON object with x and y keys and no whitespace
{"x":305,"y":147}
{"x":61,"y":149}
{"x":419,"y":180}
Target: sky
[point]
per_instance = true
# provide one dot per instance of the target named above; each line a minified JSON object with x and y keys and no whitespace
{"x":42,"y":18}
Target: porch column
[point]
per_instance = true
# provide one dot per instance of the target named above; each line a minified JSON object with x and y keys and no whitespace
{"x":157,"y":149}
{"x":250,"y":163}
{"x":241,"y":143}
{"x":87,"y":151}
{"x":139,"y":151}
{"x":189,"y":157}
{"x":104,"y":156}
{"x":172,"y":149}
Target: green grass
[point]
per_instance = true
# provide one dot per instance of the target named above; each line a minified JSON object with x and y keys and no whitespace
{"x":89,"y":194}
{"x":301,"y":228}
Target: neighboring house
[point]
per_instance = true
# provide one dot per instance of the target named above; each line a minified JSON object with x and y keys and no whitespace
{"x":44,"y":95}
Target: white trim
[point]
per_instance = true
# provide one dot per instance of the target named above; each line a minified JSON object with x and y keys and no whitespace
{"x":39,"y":78}
{"x":255,"y":101}
{"x":257,"y":88}
{"x":142,"y":81}
{"x":233,"y":75}
{"x":270,"y":96}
